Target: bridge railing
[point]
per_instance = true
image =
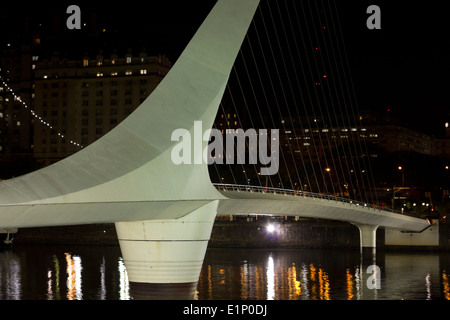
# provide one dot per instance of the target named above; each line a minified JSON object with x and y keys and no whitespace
{"x":291,"y":192}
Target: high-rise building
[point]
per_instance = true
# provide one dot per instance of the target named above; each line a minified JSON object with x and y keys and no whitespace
{"x":81,"y":100}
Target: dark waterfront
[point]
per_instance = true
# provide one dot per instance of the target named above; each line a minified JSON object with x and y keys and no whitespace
{"x":98,"y":273}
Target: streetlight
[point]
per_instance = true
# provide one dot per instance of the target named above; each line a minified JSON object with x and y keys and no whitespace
{"x":400,"y":168}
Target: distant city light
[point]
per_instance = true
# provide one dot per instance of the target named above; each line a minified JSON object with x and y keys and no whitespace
{"x":36,"y":116}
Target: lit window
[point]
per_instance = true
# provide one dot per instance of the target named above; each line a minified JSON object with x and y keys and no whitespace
{"x":99,"y":74}
{"x":113,"y":73}
{"x":143,"y":71}
{"x":128,"y":59}
{"x":85,"y":62}
{"x":128,"y":73}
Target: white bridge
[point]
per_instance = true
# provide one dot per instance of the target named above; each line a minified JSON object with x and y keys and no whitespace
{"x":164,"y":213}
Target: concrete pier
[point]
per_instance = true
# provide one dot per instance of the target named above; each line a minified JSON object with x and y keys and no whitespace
{"x":368,"y":241}
{"x":164,"y":257}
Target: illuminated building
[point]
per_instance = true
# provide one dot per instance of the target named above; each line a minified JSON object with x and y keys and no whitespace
{"x":318,"y":139}
{"x":84,"y":99}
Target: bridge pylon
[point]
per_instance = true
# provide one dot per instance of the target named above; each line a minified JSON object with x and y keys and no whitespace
{"x":164,"y":258}
{"x":368,"y":240}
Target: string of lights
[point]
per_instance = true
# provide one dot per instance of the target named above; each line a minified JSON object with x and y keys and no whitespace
{"x":35,"y":115}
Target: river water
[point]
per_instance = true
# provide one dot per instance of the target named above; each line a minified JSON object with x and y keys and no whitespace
{"x":98,"y":273}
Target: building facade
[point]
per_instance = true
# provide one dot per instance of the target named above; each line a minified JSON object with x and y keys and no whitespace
{"x":81,"y":100}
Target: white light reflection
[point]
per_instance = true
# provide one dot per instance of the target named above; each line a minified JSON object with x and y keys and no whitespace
{"x":304,"y":281}
{"x":49,"y":285}
{"x":78,"y":268}
{"x":270,"y":279}
{"x":124,"y":285}
{"x":428,"y":285}
{"x":102,"y":280}
{"x":10,"y":277}
{"x":358,"y":281}
{"x":244,"y":280}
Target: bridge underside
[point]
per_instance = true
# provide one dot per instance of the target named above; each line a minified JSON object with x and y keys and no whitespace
{"x":232,"y":203}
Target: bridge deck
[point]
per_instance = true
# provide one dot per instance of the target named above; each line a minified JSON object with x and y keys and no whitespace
{"x":261,"y":200}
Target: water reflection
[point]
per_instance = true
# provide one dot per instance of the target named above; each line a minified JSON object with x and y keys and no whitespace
{"x":10,"y":277}
{"x":321,"y":275}
{"x":270,"y":279}
{"x":445,"y":285}
{"x":98,"y":273}
{"x":54,"y":273}
{"x":124,"y":286}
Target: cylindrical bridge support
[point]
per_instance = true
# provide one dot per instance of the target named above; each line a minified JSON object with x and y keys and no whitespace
{"x":164,"y":258}
{"x":368,"y":239}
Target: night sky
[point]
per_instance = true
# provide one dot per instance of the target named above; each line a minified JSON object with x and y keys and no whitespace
{"x":403,"y":67}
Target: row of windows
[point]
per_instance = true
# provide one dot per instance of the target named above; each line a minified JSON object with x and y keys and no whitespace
{"x":98,"y":121}
{"x":128,"y":60}
{"x":99,"y":112}
{"x":112,"y":102}
{"x":86,"y":103}
{"x":100,"y":73}
{"x":87,"y":84}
